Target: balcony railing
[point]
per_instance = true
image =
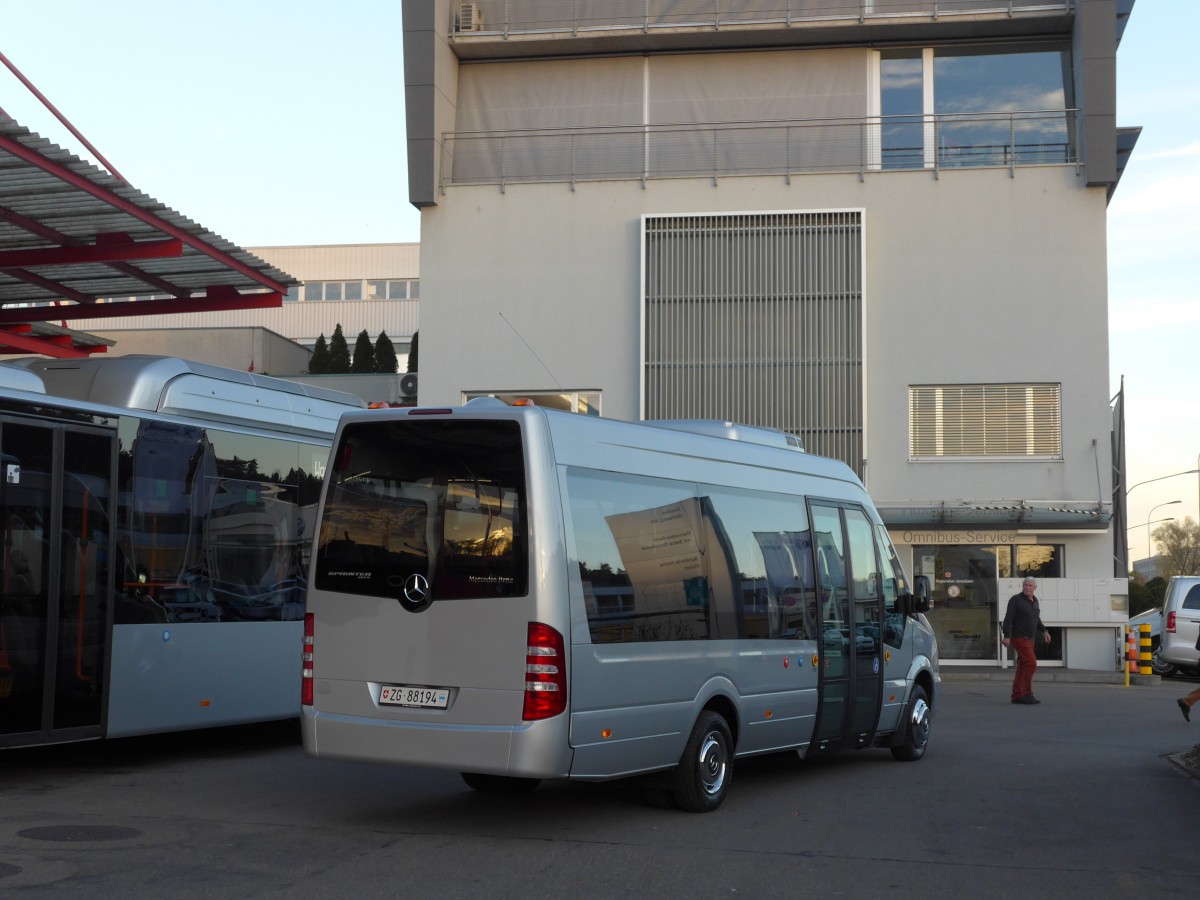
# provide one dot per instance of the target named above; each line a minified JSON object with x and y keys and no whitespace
{"x":759,"y":148}
{"x":509,"y":17}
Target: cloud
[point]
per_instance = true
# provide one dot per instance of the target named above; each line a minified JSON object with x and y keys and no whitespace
{"x":1152,"y":314}
{"x":1140,"y":195}
{"x":1171,"y":153}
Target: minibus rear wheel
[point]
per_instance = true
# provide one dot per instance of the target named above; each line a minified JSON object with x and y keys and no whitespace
{"x":707,"y":765}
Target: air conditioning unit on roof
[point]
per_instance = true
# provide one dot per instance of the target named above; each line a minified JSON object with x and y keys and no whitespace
{"x":469,"y":18}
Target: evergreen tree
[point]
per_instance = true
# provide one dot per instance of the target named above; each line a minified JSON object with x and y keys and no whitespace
{"x":364,"y":354}
{"x":319,"y":363}
{"x":412,"y":354}
{"x":385,"y":355}
{"x":339,"y":353}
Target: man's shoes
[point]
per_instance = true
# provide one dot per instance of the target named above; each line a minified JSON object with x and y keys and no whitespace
{"x":1185,"y":709}
{"x":1030,"y":700}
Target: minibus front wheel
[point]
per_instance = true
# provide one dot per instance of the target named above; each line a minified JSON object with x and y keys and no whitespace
{"x":707,"y":765}
{"x":915,"y":727}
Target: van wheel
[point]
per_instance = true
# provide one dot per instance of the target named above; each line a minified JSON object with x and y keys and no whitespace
{"x":1159,"y":666}
{"x":499,"y":784}
{"x":707,"y":765}
{"x":916,"y":727}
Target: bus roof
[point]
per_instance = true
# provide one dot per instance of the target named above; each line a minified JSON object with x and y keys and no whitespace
{"x":181,"y":387}
{"x":595,"y":440}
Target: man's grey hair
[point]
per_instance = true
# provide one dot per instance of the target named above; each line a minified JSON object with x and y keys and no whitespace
{"x":1028,"y":579}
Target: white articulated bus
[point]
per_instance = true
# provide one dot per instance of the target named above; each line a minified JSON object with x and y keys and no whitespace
{"x":158,"y":517}
{"x":522,"y":594}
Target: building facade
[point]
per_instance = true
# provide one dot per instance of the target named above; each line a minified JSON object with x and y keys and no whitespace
{"x":375,"y":287}
{"x":879,"y":226}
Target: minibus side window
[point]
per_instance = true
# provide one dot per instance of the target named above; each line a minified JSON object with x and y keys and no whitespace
{"x":894,"y":584}
{"x":830,"y":559}
{"x":771,"y":545}
{"x":641,"y":546}
{"x":866,"y":581}
{"x":663,"y":560}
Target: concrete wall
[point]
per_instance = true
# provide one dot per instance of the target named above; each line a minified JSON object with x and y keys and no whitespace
{"x":334,"y":262}
{"x":234,"y":348}
{"x":975,"y":276}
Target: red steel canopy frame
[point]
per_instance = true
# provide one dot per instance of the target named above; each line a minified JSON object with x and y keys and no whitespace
{"x":74,"y":237}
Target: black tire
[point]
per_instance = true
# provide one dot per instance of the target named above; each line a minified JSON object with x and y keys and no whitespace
{"x":916,"y":727}
{"x":499,"y":784}
{"x":1160,"y":667}
{"x":706,"y":768}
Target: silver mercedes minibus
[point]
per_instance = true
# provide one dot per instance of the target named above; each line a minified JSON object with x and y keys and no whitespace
{"x":521,"y":594}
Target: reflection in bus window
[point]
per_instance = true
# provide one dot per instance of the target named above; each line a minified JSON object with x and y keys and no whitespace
{"x":433,"y":501}
{"x":894,"y":585}
{"x":213,"y":525}
{"x":657,"y":562}
{"x":830,"y":559}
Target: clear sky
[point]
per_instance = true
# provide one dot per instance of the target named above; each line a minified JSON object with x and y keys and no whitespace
{"x":282,"y":122}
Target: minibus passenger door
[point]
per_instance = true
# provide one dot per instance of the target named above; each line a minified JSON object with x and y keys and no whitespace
{"x":866,"y":594}
{"x":834,"y":645}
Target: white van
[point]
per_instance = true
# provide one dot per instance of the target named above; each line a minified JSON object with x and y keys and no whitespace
{"x":1181,"y":623}
{"x":522,"y":594}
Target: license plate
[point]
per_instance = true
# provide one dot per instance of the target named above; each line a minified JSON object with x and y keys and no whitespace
{"x":410,"y":695}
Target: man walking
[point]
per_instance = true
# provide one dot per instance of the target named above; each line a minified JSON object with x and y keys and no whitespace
{"x":1022,"y":625}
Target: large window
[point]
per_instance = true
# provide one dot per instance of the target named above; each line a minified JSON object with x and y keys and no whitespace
{"x":437,"y":504}
{"x":997,"y":107}
{"x":902,"y":106}
{"x":213,"y":525}
{"x":966,"y":609}
{"x":985,"y":421}
{"x":663,"y":560}
{"x":976,"y":106}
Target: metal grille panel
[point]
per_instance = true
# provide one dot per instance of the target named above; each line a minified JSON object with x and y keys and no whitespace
{"x":757,"y":318}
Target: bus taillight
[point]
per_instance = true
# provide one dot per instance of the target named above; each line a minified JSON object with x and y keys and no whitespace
{"x":306,"y":671}
{"x":545,"y":673}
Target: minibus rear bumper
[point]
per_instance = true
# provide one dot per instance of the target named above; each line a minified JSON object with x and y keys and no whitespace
{"x":528,"y":750}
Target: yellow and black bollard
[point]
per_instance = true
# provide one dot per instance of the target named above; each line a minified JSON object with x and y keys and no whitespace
{"x":1131,"y":654}
{"x":1146,"y":653}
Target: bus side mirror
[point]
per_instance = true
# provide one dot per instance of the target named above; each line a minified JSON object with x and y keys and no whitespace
{"x":919,"y":600}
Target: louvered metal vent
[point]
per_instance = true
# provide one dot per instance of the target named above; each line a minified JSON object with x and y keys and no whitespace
{"x":757,"y":318}
{"x":982,"y":420}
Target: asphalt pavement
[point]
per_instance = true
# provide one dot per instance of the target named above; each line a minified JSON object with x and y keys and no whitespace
{"x":1082,"y":796}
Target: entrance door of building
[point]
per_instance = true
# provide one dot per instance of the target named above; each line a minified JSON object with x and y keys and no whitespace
{"x":965,"y":605}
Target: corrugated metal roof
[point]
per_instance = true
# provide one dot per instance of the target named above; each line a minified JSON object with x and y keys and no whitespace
{"x":51,"y":199}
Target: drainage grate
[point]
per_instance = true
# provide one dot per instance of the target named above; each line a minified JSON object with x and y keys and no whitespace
{"x":80,"y":833}
{"x":6,"y":869}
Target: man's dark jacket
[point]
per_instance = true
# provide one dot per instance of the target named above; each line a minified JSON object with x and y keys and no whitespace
{"x":1023,"y":618}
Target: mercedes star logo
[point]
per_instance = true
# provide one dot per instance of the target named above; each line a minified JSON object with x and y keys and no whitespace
{"x":416,"y":593}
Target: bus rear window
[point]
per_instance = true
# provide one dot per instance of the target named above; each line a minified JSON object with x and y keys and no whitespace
{"x":440,"y":499}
